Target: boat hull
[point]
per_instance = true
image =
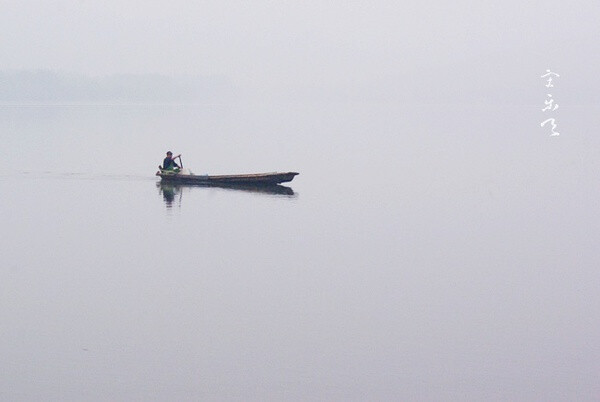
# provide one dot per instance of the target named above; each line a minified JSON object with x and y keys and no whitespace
{"x":260,"y":179}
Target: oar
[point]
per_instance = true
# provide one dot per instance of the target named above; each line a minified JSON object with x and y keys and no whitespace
{"x":180,"y":161}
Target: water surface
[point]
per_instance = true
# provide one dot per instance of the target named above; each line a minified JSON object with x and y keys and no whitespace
{"x":424,"y":253}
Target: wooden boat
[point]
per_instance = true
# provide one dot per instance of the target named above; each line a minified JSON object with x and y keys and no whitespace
{"x":258,"y":179}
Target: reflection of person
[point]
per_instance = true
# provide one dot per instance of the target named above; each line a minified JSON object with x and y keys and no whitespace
{"x":168,"y":193}
{"x":169,"y":161}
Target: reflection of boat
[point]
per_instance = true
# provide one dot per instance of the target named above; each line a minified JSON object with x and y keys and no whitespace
{"x":260,"y":179}
{"x":169,"y":188}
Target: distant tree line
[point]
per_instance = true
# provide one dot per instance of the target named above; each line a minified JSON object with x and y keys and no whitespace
{"x":52,"y":87}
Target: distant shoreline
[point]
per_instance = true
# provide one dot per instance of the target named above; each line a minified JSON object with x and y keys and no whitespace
{"x":46,"y":87}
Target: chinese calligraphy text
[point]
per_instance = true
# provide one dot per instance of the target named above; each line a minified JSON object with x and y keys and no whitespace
{"x":550,"y":106}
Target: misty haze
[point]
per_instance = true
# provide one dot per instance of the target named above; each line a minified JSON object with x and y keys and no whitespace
{"x":437,"y":244}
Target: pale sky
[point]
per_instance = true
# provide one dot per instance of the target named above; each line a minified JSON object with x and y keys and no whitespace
{"x":266,"y":44}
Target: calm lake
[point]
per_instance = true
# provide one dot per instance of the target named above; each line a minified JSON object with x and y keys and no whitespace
{"x":423,"y":253}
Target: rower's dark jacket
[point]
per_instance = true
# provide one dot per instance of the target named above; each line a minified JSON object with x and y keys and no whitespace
{"x":169,"y":163}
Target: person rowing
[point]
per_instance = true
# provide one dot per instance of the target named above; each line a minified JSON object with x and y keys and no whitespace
{"x":169,"y":161}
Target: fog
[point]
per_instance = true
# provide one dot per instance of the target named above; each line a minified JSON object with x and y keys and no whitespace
{"x":431,"y":51}
{"x":438,"y":243}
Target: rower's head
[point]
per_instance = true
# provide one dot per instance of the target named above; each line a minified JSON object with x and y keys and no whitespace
{"x":169,"y":154}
